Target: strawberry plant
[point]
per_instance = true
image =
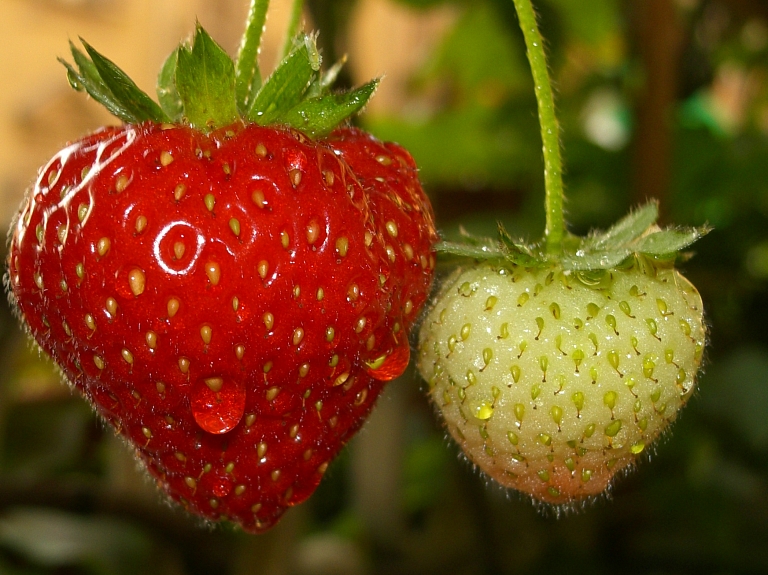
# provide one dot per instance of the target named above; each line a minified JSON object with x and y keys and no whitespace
{"x":556,"y":364}
{"x":229,"y":276}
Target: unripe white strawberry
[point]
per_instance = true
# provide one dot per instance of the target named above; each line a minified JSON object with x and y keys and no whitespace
{"x":552,"y":381}
{"x":555,"y":364}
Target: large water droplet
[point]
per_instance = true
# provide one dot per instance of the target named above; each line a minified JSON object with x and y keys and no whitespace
{"x":217,"y":404}
{"x":390,"y":365}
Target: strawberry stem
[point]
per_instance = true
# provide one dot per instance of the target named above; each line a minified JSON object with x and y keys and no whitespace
{"x":247,"y":74}
{"x":550,"y":130}
{"x":297,"y":8}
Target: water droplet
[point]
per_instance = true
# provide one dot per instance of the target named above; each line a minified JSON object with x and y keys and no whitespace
{"x":221,"y":486}
{"x":484,"y":411}
{"x":217,"y":404}
{"x":390,"y":365}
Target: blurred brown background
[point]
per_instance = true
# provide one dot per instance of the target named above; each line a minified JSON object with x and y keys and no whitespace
{"x":39,"y":112}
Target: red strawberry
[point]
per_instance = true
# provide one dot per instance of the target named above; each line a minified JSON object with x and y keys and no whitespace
{"x":232,"y":297}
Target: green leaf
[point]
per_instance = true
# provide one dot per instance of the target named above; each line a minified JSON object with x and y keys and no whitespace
{"x":319,"y":116}
{"x":247,"y":74}
{"x":125,"y":91}
{"x":591,"y":27}
{"x":167,"y":94}
{"x":666,"y":242}
{"x":205,"y":79}
{"x":58,"y":540}
{"x":626,"y":230}
{"x":286,"y":86}
{"x":87,"y":78}
{"x":473,"y":144}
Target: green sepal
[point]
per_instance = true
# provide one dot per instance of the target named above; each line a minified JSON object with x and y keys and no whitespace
{"x":634,"y":235}
{"x":505,"y":248}
{"x":205,"y":79}
{"x":484,"y":251}
{"x":626,"y":230}
{"x":319,"y":116}
{"x":199,"y":85}
{"x":139,"y":105}
{"x":286,"y":86}
{"x":665,"y":242}
{"x":518,"y":252}
{"x":167,"y":93}
{"x":96,"y":90}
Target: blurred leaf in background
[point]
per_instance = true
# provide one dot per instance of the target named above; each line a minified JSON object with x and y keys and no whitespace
{"x":55,"y":539}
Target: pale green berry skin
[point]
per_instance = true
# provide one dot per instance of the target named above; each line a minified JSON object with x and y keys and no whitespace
{"x":551,"y":381}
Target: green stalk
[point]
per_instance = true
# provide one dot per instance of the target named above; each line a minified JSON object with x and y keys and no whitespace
{"x":297,"y":8}
{"x":247,"y":74}
{"x":550,"y":130}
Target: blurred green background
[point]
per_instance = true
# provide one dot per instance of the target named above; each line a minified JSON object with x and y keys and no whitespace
{"x":657,"y":98}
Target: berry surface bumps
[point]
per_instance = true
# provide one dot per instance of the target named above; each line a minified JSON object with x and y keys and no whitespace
{"x":553,"y":381}
{"x":231,"y":302}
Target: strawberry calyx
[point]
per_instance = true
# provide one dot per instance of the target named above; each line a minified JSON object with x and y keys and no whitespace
{"x":200,"y":85}
{"x":635,"y":235}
